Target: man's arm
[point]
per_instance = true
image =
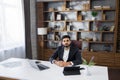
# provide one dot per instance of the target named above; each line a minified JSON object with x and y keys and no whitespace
{"x":53,"y":58}
{"x":62,"y":63}
{"x":78,"y":59}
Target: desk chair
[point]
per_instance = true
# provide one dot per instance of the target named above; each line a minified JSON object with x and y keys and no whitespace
{"x":78,"y":44}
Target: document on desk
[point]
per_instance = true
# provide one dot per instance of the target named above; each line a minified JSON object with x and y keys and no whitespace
{"x":12,"y":64}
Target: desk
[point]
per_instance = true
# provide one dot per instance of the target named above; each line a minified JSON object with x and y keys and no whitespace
{"x":24,"y":71}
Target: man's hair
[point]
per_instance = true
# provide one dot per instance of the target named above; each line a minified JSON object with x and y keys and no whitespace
{"x":65,"y":36}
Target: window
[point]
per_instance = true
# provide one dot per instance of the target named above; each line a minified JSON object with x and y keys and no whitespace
{"x":11,"y":24}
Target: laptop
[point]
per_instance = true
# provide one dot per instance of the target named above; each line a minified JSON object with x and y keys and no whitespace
{"x":42,"y":67}
{"x":37,"y":65}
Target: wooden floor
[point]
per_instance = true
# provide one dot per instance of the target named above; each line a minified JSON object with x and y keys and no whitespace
{"x":114,"y":74}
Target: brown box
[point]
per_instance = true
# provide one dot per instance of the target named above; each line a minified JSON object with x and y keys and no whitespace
{"x":63,"y":7}
{"x":104,"y":16}
{"x":51,"y":9}
{"x":79,"y":17}
{"x":86,"y":6}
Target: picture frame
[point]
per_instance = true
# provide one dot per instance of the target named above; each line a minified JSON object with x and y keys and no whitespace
{"x":112,"y":28}
{"x":58,"y":17}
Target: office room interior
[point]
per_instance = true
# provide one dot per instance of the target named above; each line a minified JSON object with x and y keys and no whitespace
{"x":32,"y":29}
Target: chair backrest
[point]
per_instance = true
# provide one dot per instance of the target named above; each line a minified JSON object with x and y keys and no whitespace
{"x":77,"y":43}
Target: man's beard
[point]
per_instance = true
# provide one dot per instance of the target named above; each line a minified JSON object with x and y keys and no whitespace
{"x":67,"y":46}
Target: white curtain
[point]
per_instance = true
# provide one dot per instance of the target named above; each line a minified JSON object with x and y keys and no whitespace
{"x":12,"y":33}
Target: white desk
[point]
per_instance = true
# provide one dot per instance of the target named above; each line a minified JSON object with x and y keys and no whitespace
{"x":24,"y":71}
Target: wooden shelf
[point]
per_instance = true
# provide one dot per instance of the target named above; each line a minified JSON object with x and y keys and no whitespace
{"x":101,"y":42}
{"x":84,"y":31}
{"x":83,"y":25}
{"x":79,"y":21}
{"x":81,"y":10}
{"x":80,"y":31}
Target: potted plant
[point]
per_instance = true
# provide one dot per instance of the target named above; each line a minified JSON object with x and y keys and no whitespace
{"x":88,"y":64}
{"x":94,"y":14}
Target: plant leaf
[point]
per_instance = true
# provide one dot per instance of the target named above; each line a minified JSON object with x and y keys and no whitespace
{"x":94,"y":13}
{"x":91,"y":63}
{"x":84,"y":61}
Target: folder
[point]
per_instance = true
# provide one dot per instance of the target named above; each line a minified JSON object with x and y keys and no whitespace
{"x":74,"y":70}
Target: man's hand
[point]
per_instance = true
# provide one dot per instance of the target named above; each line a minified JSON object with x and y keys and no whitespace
{"x":62,"y":63}
{"x":59,"y":63}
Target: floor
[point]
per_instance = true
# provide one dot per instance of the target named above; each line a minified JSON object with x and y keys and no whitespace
{"x":114,"y":74}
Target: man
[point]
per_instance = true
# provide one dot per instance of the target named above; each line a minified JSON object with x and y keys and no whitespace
{"x":67,"y":54}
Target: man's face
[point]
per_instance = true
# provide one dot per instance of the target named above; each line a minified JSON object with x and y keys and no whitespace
{"x":66,"y":42}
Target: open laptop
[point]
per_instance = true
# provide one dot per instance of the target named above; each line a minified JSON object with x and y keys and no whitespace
{"x":37,"y":65}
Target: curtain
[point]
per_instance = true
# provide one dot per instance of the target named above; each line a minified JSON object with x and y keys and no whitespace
{"x":12,"y":33}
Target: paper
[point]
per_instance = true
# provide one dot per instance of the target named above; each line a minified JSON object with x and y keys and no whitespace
{"x":12,"y":64}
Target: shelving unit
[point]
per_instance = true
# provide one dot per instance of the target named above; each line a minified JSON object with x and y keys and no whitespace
{"x":75,"y":19}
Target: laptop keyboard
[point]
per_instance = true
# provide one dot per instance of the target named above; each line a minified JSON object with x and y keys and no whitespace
{"x":42,"y":67}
